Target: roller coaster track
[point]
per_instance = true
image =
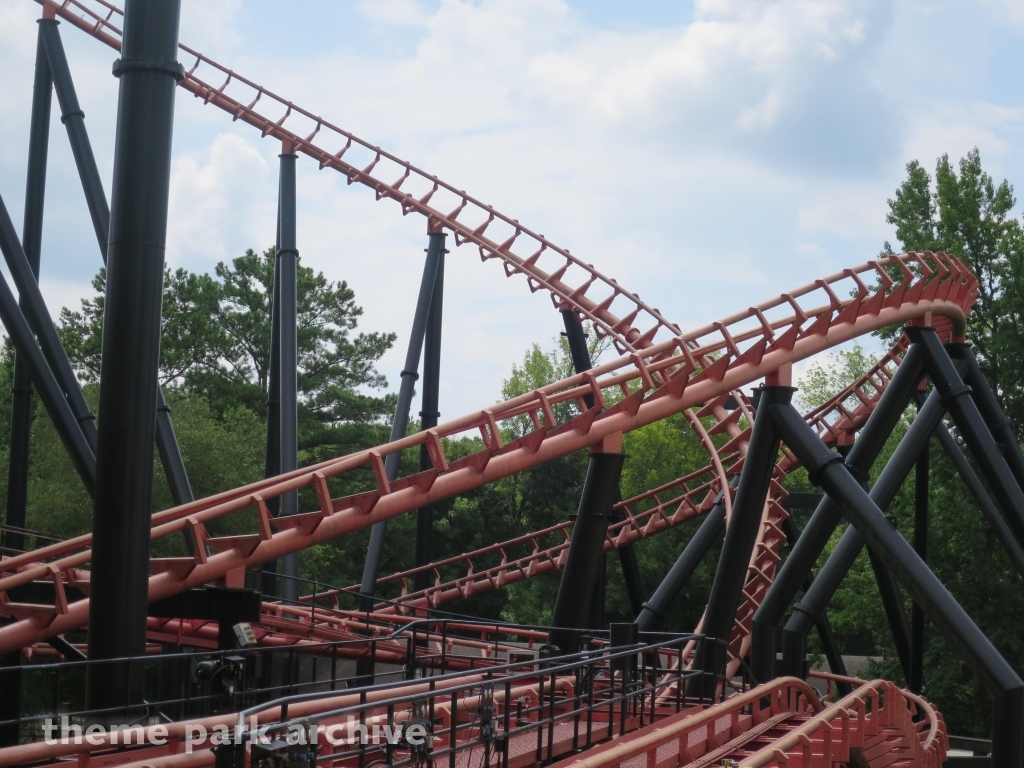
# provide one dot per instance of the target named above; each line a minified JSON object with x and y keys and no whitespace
{"x":657,"y":376}
{"x":615,"y":312}
{"x":654,"y":383}
{"x":661,"y":371}
{"x":644,"y":515}
{"x":783,"y":723}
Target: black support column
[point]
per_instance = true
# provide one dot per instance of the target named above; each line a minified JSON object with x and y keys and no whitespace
{"x":287,"y":259}
{"x":628,"y":561}
{"x":790,"y":578}
{"x":843,"y":556}
{"x":980,"y":493}
{"x":962,"y":407}
{"x":31,"y":239}
{"x":586,"y":548}
{"x":991,"y":412}
{"x":827,"y":470}
{"x":836,"y":664}
{"x":401,"y":420}
{"x":148,"y":72}
{"x":430,"y":414}
{"x":915,"y":680}
{"x":272,"y":466}
{"x":655,"y":609}
{"x":740,"y":536}
{"x":74,"y":122}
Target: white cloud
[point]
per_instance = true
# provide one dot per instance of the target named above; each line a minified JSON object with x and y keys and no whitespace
{"x":220,"y":199}
{"x":400,"y":12}
{"x":707,"y":165}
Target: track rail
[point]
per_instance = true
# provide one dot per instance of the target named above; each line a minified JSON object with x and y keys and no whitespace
{"x":616,"y":312}
{"x":645,"y":514}
{"x":648,"y":385}
{"x":877,"y":719}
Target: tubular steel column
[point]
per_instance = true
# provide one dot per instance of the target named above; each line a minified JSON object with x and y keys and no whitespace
{"x":836,"y":664}
{"x":430,"y":414}
{"x":915,"y":681}
{"x":268,"y":577}
{"x":148,"y":72}
{"x":578,"y":349}
{"x":586,"y":548}
{"x":630,"y":565}
{"x":740,"y":536}
{"x":74,"y":121}
{"x":988,"y":404}
{"x":970,"y":642}
{"x":980,"y":493}
{"x":965,"y":413}
{"x":790,"y":578}
{"x":655,"y":609}
{"x":31,"y":238}
{"x":845,"y":554}
{"x":288,"y":258}
{"x":50,"y":392}
{"x":401,"y":421}
{"x":581,"y":361}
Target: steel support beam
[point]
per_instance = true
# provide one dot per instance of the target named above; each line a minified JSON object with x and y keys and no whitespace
{"x":813,"y":605}
{"x":655,"y":609}
{"x":895,"y":614}
{"x":73,"y":119}
{"x":31,"y":239}
{"x":586,"y":548}
{"x":272,"y":465}
{"x":148,"y":72}
{"x":50,"y":392}
{"x":981,"y":496}
{"x":964,"y":411}
{"x":288,"y":257}
{"x":630,"y":565}
{"x":74,"y":122}
{"x":836,"y":664}
{"x":430,"y":414}
{"x":740,"y":536}
{"x":790,"y":578}
{"x":580,"y":354}
{"x":915,"y":680}
{"x":827,"y":470}
{"x":811,"y":608}
{"x":401,"y":420}
{"x":578,"y":349}
{"x":988,"y":404}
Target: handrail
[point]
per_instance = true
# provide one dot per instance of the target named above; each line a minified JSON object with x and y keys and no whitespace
{"x":884,"y":711}
{"x":650,"y":738}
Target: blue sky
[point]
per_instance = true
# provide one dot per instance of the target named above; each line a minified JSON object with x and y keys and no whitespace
{"x":708,"y":155}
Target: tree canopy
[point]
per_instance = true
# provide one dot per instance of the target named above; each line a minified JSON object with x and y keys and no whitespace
{"x":215,"y":344}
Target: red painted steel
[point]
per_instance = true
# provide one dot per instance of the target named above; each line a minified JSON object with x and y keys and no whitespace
{"x":629,"y":392}
{"x":662,"y":371}
{"x":784,"y":723}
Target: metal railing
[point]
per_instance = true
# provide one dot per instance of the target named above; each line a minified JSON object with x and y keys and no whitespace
{"x":200,"y":683}
{"x":548,"y":706}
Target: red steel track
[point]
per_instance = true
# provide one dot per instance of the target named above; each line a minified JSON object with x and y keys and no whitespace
{"x":662,"y":371}
{"x":653,"y":384}
{"x":652,"y":381}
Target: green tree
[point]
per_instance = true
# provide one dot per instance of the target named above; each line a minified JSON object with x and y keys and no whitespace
{"x":215,"y":343}
{"x":964,"y":212}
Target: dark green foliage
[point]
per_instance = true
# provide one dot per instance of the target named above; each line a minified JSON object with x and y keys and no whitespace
{"x":216,"y":345}
{"x":963,"y":212}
